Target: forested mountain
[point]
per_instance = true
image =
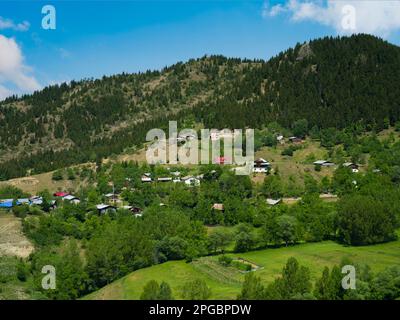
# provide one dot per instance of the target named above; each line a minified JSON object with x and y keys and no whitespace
{"x":331,"y":82}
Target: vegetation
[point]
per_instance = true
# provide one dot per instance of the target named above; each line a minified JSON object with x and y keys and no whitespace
{"x":82,"y":120}
{"x":179,"y":230}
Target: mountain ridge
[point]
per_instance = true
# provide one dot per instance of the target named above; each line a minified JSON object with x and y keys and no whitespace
{"x":331,"y":82}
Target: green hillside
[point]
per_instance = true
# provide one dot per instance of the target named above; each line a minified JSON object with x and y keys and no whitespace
{"x":225,"y":282}
{"x":331,"y":82}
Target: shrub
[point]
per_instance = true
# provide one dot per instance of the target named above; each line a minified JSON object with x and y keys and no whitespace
{"x":225,"y":260}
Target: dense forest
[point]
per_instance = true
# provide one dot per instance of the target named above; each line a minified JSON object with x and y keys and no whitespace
{"x":331,"y":82}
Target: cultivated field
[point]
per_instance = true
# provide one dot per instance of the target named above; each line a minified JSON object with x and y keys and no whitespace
{"x":12,"y":240}
{"x":225,"y":281}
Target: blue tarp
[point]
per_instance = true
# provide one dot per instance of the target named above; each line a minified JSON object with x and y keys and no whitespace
{"x":6,"y":204}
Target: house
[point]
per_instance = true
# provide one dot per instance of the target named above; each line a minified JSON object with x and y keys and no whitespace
{"x":135,"y":210}
{"x":60,"y":194}
{"x":328,"y":196}
{"x":23,"y":201}
{"x":294,"y":139}
{"x":71,"y":199}
{"x":261,"y":165}
{"x":352,"y":166}
{"x":104,"y":208}
{"x":6,"y":203}
{"x":273,"y":202}
{"x":146,"y":178}
{"x":165,"y":179}
{"x":191,"y":181}
{"x":36,"y":200}
{"x":112,"y":197}
{"x":323,"y":163}
{"x":218,"y":207}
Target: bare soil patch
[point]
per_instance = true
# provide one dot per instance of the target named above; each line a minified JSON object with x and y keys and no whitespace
{"x":12,"y":241}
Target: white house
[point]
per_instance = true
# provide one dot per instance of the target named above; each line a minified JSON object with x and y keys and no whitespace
{"x":261,"y":165}
{"x":37,"y":200}
{"x":324,"y":163}
{"x":352,"y":166}
{"x":191,"y":181}
{"x":273,"y":202}
{"x":164,"y":179}
{"x":71,"y":199}
{"x":146,"y":178}
{"x":103,"y":208}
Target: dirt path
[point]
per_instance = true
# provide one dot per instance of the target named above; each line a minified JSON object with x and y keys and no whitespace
{"x":12,"y":240}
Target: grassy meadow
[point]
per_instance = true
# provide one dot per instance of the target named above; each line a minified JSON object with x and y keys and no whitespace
{"x":225,"y":282}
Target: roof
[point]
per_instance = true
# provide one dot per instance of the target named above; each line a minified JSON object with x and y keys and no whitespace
{"x":164,"y":179}
{"x":350,"y":164}
{"x":70,"y":197}
{"x":273,"y":202}
{"x":6,"y":203}
{"x":261,"y":160}
{"x":327,"y":195}
{"x":6,"y":200}
{"x":60,"y":194}
{"x":24,"y":200}
{"x":218,"y":206}
{"x":187,"y":178}
{"x":321,"y":162}
{"x":103,"y":206}
{"x":37,"y":200}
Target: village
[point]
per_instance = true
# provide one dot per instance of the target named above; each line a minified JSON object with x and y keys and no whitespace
{"x":113,"y":201}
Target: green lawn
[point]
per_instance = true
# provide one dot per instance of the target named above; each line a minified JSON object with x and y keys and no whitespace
{"x":313,"y":255}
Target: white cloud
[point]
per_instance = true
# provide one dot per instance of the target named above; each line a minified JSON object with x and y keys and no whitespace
{"x":13,"y":71}
{"x":4,"y":93}
{"x":9,"y":24}
{"x":378,"y":17}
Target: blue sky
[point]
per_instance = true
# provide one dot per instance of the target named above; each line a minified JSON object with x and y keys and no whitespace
{"x":93,"y":38}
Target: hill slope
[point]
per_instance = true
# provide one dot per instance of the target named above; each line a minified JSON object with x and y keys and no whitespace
{"x":313,"y":255}
{"x":332,"y":82}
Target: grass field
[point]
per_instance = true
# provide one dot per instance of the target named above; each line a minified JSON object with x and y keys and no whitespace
{"x":35,"y":183}
{"x":225,"y":282}
{"x":12,"y":241}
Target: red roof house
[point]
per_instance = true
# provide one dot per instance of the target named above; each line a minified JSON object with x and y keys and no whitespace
{"x":60,"y":194}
